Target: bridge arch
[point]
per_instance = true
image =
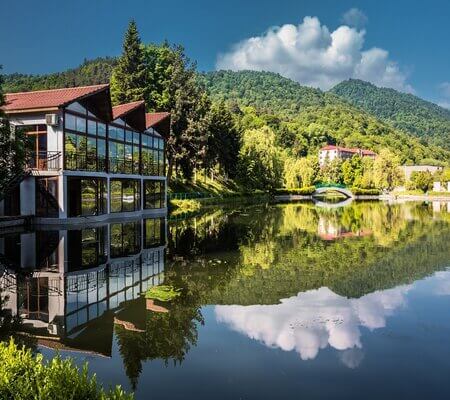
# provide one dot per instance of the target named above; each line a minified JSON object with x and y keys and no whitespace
{"x":333,"y":188}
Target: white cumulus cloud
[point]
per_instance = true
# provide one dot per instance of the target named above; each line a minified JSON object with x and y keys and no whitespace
{"x":354,"y":17}
{"x":311,"y":54}
{"x":314,"y":320}
{"x":445,"y":89}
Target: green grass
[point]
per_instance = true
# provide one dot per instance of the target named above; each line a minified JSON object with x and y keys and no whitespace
{"x":162,"y":293}
{"x":26,"y":376}
{"x":213,"y":187}
{"x":440,"y":194}
{"x":308,"y":190}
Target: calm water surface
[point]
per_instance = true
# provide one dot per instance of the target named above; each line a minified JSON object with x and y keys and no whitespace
{"x":278,"y":301}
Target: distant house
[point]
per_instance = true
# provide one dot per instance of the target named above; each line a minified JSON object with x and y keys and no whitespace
{"x":409,"y":169}
{"x":330,"y":152}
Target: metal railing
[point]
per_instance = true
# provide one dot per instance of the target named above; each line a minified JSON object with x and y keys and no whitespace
{"x":83,"y":162}
{"x":327,"y":185}
{"x":45,"y":161}
{"x":185,"y":196}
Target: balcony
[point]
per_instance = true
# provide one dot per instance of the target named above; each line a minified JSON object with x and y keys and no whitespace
{"x":45,"y":161}
{"x":83,"y":162}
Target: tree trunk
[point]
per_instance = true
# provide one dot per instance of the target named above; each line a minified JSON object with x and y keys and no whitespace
{"x":169,"y":170}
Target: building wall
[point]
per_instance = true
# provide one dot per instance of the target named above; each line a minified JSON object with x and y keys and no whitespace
{"x":409,"y":169}
{"x":55,"y":143}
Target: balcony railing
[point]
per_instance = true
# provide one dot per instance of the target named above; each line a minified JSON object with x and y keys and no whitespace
{"x":83,"y":162}
{"x":45,"y":161}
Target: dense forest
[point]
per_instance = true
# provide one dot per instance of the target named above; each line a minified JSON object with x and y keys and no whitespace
{"x":402,"y":110}
{"x":90,"y":72}
{"x":305,"y":118}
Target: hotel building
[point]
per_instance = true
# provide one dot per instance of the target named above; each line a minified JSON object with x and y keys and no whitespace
{"x":90,"y":161}
{"x":329,"y":153}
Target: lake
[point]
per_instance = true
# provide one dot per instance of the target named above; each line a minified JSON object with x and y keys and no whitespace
{"x":278,"y":301}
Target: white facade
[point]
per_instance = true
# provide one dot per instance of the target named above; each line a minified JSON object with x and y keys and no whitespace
{"x":330,"y":153}
{"x":53,"y":171}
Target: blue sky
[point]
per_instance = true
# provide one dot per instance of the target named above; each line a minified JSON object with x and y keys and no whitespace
{"x":402,"y":44}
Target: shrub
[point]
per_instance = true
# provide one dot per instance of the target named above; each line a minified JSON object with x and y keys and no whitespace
{"x":25,"y":376}
{"x":305,"y":191}
{"x":367,"y":192}
{"x":442,"y":194}
{"x":185,"y":206}
{"x":162,"y":293}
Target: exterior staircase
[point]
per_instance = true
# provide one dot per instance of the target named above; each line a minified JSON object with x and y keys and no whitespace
{"x":13,"y":182}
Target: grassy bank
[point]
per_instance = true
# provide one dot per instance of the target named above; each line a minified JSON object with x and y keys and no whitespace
{"x":189,"y":207}
{"x":187,"y":198}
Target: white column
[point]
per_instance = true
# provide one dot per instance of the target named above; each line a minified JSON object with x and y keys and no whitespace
{"x":62,"y":196}
{"x":28,"y":196}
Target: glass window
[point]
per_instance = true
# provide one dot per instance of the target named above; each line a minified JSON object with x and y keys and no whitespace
{"x":125,"y":239}
{"x":116,"y":195}
{"x":92,"y":127}
{"x":120,"y":134}
{"x":128,"y":196}
{"x":136,"y":137}
{"x":125,"y":195}
{"x":71,"y":122}
{"x":128,"y":159}
{"x":88,"y":197}
{"x":154,"y":194}
{"x":91,"y":160}
{"x":101,"y":129}
{"x":153,"y":232}
{"x":155,"y":163}
{"x":129,"y":136}
{"x":101,"y":154}
{"x":145,"y":140}
{"x":81,"y":124}
{"x":112,"y":132}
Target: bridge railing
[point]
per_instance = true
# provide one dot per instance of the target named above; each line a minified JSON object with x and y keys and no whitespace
{"x":327,"y":185}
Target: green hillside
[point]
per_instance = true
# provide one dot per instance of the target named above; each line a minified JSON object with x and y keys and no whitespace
{"x":265,"y":91}
{"x":404,"y":111}
{"x":91,"y":72}
{"x":354,"y":113}
{"x":306,"y":118}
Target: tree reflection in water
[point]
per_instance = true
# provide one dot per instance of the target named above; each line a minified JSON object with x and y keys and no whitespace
{"x":278,"y":262}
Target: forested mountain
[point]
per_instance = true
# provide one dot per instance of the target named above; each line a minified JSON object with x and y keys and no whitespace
{"x":91,"y":72}
{"x":404,"y":111}
{"x":354,"y":113}
{"x":265,"y":91}
{"x":305,"y":118}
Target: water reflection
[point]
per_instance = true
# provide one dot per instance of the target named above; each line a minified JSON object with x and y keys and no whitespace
{"x":294,"y":277}
{"x":62,"y":282}
{"x":314,"y":320}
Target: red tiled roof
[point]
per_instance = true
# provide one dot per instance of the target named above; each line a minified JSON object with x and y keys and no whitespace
{"x":122,"y":109}
{"x":349,"y":150}
{"x":43,"y":99}
{"x":152,"y":119}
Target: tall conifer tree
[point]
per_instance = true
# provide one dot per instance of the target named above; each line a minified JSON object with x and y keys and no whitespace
{"x":129,"y":77}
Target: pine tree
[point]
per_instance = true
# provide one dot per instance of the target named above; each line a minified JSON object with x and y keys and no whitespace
{"x":129,"y":78}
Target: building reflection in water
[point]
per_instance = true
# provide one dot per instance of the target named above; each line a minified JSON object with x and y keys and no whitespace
{"x":60,"y":282}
